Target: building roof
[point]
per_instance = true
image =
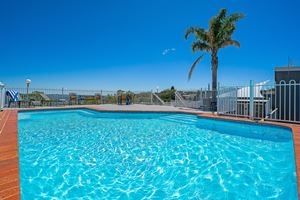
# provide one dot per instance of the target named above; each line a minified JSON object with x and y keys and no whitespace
{"x":286,"y":69}
{"x":244,"y":92}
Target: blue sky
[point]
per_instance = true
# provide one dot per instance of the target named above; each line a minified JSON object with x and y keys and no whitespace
{"x":138,"y":45}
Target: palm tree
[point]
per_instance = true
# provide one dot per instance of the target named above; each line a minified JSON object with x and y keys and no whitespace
{"x":218,"y":35}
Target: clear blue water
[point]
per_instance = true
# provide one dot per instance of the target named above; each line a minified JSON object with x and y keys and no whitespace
{"x":99,"y":155}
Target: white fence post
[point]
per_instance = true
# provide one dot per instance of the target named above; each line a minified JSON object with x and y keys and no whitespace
{"x":251,"y":99}
{"x":2,"y":96}
{"x":218,"y":98}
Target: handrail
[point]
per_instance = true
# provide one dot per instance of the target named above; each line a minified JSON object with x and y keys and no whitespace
{"x":180,"y":98}
{"x":161,"y":101}
{"x":271,"y":113}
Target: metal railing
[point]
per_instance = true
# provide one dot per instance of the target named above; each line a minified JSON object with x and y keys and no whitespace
{"x":269,"y":101}
{"x":156,"y":96}
{"x":196,"y":99}
{"x":32,"y":97}
{"x":40,"y":97}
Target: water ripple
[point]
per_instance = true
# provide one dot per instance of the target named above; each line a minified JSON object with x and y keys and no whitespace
{"x":82,"y":155}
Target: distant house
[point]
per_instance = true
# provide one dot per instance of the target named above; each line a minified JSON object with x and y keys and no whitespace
{"x":288,"y":93}
{"x":236,"y":100}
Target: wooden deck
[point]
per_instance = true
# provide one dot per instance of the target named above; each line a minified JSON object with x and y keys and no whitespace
{"x":9,"y":161}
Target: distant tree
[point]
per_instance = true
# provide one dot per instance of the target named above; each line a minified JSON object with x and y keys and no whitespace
{"x":168,"y":94}
{"x":218,"y":35}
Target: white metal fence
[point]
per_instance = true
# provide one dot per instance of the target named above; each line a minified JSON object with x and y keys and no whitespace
{"x":2,"y":96}
{"x":270,"y":101}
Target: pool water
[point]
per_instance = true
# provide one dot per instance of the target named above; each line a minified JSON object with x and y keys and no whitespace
{"x":86,"y":154}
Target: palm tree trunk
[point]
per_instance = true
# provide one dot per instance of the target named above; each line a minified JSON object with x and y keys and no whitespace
{"x":214,"y":65}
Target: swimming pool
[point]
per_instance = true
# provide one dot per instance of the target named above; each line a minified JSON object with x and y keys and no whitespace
{"x":89,"y":154}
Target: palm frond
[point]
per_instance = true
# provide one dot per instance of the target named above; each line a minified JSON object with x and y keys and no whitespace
{"x":229,"y":24}
{"x":224,"y":36}
{"x":194,"y":66}
{"x":216,"y":23}
{"x":188,"y":32}
{"x":230,"y":42}
{"x":222,"y":14}
{"x":199,"y":33}
{"x":235,"y":17}
{"x":200,"y":45}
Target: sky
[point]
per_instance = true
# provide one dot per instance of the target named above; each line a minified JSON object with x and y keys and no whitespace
{"x":140,"y":45}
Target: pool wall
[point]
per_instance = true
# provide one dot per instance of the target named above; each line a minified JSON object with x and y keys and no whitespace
{"x":9,"y":159}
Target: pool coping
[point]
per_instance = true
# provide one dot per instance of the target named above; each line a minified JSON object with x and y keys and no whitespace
{"x":9,"y":159}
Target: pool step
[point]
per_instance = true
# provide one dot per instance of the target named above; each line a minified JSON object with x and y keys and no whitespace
{"x":180,"y":119}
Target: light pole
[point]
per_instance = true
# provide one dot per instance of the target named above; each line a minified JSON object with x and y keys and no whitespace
{"x":27,"y":81}
{"x":157,"y":88}
{"x":1,"y":96}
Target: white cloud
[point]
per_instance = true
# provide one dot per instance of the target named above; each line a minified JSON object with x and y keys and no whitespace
{"x":167,"y":51}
